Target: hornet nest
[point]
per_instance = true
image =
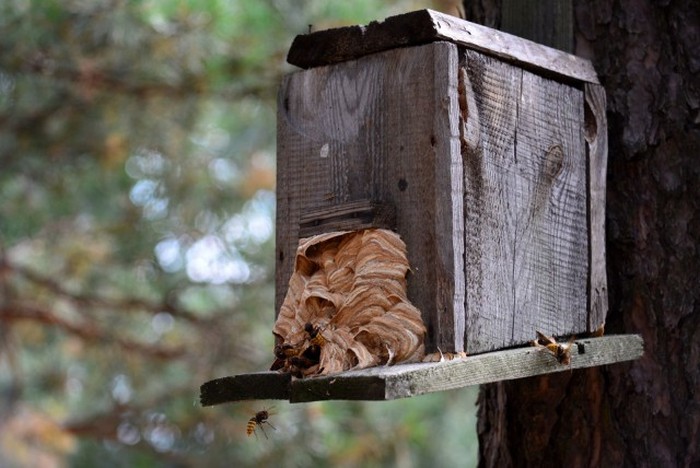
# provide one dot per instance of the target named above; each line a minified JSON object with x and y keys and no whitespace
{"x":346,"y":306}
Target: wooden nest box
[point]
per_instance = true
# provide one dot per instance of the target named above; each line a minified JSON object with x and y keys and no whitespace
{"x":485,"y":152}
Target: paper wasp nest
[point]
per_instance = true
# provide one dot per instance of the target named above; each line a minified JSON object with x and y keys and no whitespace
{"x":346,"y":306}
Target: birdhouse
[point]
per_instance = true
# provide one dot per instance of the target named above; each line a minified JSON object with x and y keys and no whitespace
{"x":484,"y":152}
{"x":461,"y":164}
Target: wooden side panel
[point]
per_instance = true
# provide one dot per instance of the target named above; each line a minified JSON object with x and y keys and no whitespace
{"x":551,"y":233}
{"x":596,"y":134}
{"x":525,"y":205}
{"x":381,"y":129}
{"x":328,"y":148}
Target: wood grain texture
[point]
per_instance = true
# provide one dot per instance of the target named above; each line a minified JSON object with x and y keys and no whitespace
{"x":387,"y":383}
{"x":525,"y":205}
{"x":348,"y":43}
{"x":382,"y":129}
{"x":352,"y":216}
{"x":596,"y":135}
{"x":551,"y":227}
{"x":406,"y":380}
{"x":448,"y":221}
{"x":490,"y":89}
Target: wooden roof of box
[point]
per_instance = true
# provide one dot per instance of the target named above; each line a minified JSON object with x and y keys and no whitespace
{"x":424,"y":26}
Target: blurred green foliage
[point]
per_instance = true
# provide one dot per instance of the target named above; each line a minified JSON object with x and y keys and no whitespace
{"x":136,"y":241}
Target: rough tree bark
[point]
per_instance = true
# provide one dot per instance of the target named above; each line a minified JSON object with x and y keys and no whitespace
{"x":647,"y":413}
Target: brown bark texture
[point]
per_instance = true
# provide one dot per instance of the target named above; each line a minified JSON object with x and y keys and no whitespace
{"x":644,"y":413}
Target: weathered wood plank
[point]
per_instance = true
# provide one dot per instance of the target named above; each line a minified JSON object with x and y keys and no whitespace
{"x":525,"y":205}
{"x":386,"y":383}
{"x":549,"y":209}
{"x":596,"y":135}
{"x":257,"y":386}
{"x":406,"y":380}
{"x":491,"y":90}
{"x":447,"y":184}
{"x":383,"y":129}
{"x":352,"y":216}
{"x":419,"y":27}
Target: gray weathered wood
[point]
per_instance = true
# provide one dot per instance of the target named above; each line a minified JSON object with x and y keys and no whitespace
{"x":352,"y":216}
{"x":386,"y":383}
{"x":525,"y":205}
{"x":341,"y":44}
{"x":490,"y":88}
{"x":550,"y":210}
{"x":381,"y":129}
{"x":596,"y":135}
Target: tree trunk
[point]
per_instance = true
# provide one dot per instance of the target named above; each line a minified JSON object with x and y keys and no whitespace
{"x":644,"y":413}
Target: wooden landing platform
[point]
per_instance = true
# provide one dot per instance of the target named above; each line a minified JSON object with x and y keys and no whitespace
{"x":406,"y":380}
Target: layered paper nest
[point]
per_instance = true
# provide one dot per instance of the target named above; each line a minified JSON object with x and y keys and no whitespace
{"x":346,"y":306}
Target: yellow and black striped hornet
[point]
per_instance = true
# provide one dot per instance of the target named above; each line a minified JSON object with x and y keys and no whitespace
{"x":315,"y":336}
{"x":299,"y":358}
{"x":283,"y":352}
{"x":257,"y":421}
{"x":561,"y":352}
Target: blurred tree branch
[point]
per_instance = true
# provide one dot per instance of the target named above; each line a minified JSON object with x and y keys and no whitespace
{"x":91,"y":79}
{"x":125,"y":305}
{"x":87,"y":331}
{"x":104,"y":424}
